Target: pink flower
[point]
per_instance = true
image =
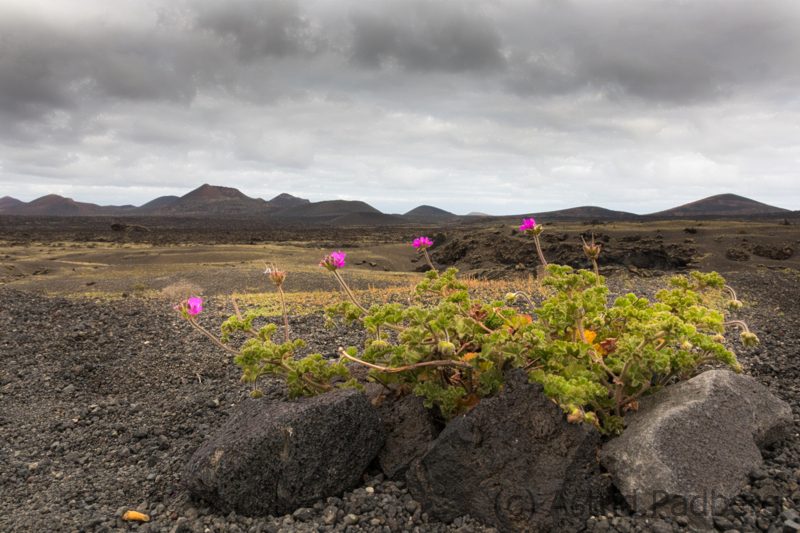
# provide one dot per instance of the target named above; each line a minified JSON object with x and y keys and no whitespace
{"x":333,"y":260}
{"x":422,"y":242}
{"x":194,"y":305}
{"x":527,"y":224}
{"x":338,"y":258}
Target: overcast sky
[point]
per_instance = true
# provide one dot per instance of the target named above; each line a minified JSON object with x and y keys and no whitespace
{"x":502,"y":106}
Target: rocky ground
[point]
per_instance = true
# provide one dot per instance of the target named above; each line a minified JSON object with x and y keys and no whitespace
{"x":103,"y":402}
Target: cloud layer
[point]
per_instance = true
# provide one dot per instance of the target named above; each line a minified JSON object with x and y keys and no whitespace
{"x":500,"y":106}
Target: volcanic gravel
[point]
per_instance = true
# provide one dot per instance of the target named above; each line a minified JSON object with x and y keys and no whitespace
{"x":103,"y":402}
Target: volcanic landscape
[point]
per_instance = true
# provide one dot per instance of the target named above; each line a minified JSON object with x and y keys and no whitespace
{"x":106,"y":392}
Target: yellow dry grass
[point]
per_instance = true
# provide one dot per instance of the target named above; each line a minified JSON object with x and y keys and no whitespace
{"x":305,"y":302}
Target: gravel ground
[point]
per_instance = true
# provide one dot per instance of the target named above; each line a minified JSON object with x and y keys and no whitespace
{"x":103,"y":402}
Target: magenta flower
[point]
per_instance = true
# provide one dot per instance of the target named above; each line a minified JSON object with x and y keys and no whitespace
{"x":421,"y":243}
{"x":338,"y":258}
{"x":527,"y":224}
{"x":194,"y":305}
{"x":333,"y":260}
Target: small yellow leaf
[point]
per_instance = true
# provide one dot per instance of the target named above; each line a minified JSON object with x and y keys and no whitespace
{"x":135,"y":516}
{"x":590,"y":336}
{"x":469,"y":356}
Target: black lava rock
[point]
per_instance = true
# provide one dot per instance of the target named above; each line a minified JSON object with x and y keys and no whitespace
{"x":513,"y":462}
{"x":273,"y":457}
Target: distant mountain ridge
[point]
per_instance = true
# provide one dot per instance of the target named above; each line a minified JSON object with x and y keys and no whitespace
{"x":216,"y":202}
{"x":285,"y":200}
{"x":428,"y":211}
{"x":55,"y":205}
{"x":586,"y":212}
{"x":7,"y":202}
{"x":327,"y":209}
{"x":721,"y":205}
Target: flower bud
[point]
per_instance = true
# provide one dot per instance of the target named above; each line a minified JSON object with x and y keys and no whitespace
{"x":749,"y":339}
{"x":510,"y":297}
{"x":686,"y":345}
{"x":735,"y":304}
{"x":591,"y":249}
{"x":447,"y":348}
{"x":379,"y":344}
{"x":256,"y":393}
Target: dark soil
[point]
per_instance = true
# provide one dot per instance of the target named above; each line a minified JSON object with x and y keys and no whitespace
{"x":176,"y":230}
{"x":104,"y":402}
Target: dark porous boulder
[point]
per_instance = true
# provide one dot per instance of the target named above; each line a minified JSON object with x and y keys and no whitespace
{"x":409,"y":428}
{"x":779,"y":253}
{"x":690,"y":447}
{"x":737,"y":254}
{"x":515,"y":463}
{"x":273,"y":457}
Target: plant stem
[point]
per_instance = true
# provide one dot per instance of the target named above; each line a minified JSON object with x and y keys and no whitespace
{"x":394,"y":370}
{"x":731,"y":291}
{"x":739,"y":323}
{"x":526,"y":297}
{"x":208,"y":334}
{"x":348,"y":291}
{"x":285,"y":316}
{"x":428,"y":259}
{"x":352,"y":297}
{"x":539,"y":250}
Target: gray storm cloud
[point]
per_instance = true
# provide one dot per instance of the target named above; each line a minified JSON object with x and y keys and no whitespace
{"x":500,"y":106}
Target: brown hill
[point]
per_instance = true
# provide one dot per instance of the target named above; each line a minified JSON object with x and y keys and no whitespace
{"x":326,"y":211}
{"x":725,"y":205}
{"x":211,"y":201}
{"x":161,"y":202}
{"x":588,"y":212}
{"x":583,"y":213}
{"x":7,"y":202}
{"x":59,"y":206}
{"x":428,"y":212}
{"x":285,"y":200}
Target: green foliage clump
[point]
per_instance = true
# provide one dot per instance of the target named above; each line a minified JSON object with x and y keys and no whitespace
{"x":259,"y":355}
{"x":452,"y":351}
{"x":598,"y":360}
{"x":594,"y":359}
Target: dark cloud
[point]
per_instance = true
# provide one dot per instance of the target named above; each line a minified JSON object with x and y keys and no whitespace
{"x":662,"y":51}
{"x":425,"y":35}
{"x":257,"y":28}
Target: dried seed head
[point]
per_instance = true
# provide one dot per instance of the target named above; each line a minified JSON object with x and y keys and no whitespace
{"x":277,"y":277}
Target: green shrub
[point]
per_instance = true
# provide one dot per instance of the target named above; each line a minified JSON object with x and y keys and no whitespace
{"x":594,"y":358}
